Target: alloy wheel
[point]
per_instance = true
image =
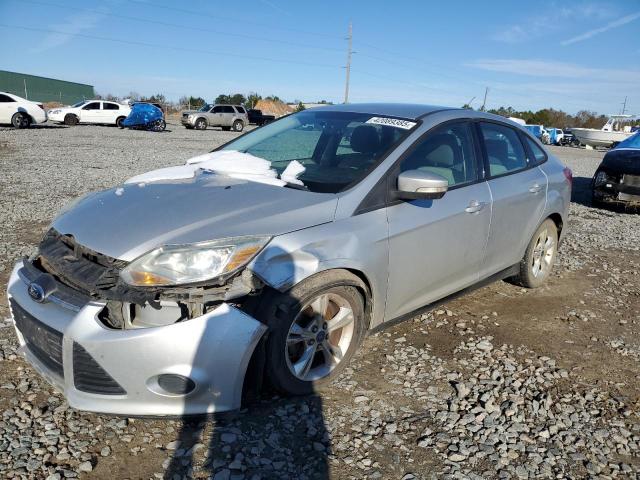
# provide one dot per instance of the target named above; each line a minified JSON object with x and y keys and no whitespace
{"x":542,"y":254}
{"x":319,"y":337}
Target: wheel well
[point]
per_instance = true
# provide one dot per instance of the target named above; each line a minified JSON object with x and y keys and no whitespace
{"x":557,"y":219}
{"x":201,"y":118}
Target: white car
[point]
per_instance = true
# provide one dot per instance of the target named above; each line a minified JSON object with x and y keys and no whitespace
{"x":20,"y":112}
{"x":91,"y":111}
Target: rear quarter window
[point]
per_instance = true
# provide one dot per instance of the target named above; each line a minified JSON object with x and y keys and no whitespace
{"x":537,"y":154}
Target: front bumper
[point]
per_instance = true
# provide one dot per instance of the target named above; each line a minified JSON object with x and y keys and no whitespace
{"x":185,"y":121}
{"x":212,"y":350}
{"x":616,"y":193}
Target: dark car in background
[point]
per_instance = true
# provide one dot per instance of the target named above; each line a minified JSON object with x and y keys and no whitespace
{"x":617,"y":179}
{"x":256,"y":117}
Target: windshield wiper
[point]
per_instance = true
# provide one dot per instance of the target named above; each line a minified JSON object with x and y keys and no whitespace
{"x":296,"y":186}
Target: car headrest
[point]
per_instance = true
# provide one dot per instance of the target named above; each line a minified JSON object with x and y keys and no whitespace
{"x":365,"y":139}
{"x":441,"y":150}
{"x":497,"y":149}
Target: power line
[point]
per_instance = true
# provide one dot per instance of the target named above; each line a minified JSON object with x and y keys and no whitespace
{"x":201,"y":14}
{"x":170,"y":47}
{"x":182,"y":26}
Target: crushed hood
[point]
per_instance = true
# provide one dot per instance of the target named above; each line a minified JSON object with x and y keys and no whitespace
{"x":128,"y":221}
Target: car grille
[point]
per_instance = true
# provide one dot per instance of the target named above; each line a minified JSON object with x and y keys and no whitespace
{"x":631,"y":180}
{"x":90,"y":377}
{"x":44,"y":342}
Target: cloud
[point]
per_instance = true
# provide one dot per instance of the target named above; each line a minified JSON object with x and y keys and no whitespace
{"x":614,"y":24}
{"x":544,"y":68}
{"x":541,"y":24}
{"x":77,"y":23}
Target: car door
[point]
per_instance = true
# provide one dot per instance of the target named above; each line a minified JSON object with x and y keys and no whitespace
{"x":436,"y":247}
{"x":110,"y":112}
{"x":91,"y":113}
{"x":518,"y":189}
{"x":8,"y":107}
{"x":216,"y":116}
{"x":228,"y":114}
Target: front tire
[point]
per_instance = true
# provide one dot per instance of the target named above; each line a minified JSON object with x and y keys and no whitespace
{"x":70,"y":120}
{"x":539,"y":257}
{"x":238,"y":126}
{"x":315,"y":329}
{"x":20,"y":120}
{"x":201,"y":124}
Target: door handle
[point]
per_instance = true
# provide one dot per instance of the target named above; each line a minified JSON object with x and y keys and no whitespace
{"x":475,"y":206}
{"x":535,"y":188}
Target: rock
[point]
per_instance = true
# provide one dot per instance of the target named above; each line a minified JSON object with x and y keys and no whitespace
{"x":85,"y":467}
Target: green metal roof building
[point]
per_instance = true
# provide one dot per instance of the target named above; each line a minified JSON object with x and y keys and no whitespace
{"x":43,"y":89}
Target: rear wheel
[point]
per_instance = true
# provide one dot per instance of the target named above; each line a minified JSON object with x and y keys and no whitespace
{"x":120,"y":122}
{"x":538,"y":260}
{"x":70,"y":119}
{"x":315,"y":329}
{"x":238,"y":125}
{"x":201,"y":124}
{"x":20,"y":120}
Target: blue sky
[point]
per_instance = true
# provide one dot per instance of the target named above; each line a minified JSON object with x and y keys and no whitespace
{"x":569,"y":55}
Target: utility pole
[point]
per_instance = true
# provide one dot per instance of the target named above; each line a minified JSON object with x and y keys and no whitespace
{"x":349,"y":52}
{"x":25,"y":88}
{"x":486,"y":90}
{"x":624,"y":105}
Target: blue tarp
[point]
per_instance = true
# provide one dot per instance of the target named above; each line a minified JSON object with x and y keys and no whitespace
{"x":631,"y":142}
{"x":142,"y":114}
{"x":535,"y":130}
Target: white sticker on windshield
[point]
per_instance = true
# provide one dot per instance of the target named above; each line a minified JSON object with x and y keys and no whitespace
{"x":392,"y":122}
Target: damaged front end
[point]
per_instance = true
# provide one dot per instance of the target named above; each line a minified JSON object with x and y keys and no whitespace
{"x":82,"y":275}
{"x":88,"y":332}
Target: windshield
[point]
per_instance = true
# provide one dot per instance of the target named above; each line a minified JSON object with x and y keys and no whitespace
{"x":336,"y":149}
{"x":79,"y":104}
{"x":205,"y":108}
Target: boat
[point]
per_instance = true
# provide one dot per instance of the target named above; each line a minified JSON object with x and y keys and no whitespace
{"x":609,"y":135}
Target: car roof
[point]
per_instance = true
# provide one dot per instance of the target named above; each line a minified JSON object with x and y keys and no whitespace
{"x":404,"y":110}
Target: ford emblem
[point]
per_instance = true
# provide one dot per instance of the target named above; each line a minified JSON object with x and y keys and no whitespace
{"x":36,"y":292}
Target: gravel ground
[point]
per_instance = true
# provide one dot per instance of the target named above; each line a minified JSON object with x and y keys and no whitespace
{"x":503,"y":383}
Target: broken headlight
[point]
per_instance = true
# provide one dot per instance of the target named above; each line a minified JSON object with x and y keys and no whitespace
{"x":602,"y":178}
{"x":192,"y":263}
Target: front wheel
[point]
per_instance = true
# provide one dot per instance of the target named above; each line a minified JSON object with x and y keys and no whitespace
{"x":159,"y":125}
{"x":538,"y":260}
{"x":238,"y":126}
{"x":315,"y":329}
{"x":20,"y":120}
{"x":201,"y":124}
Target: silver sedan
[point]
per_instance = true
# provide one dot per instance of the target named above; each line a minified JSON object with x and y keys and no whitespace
{"x":272,"y":256}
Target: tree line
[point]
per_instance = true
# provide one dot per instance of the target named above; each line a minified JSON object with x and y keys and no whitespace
{"x":551,"y":117}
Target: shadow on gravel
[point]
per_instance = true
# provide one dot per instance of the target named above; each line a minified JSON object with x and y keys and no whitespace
{"x":581,"y":191}
{"x":273,"y":437}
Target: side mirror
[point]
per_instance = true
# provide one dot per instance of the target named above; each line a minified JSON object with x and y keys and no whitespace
{"x":417,"y":184}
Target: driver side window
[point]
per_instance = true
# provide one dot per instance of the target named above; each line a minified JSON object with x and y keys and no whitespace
{"x":92,"y":106}
{"x":446,"y":151}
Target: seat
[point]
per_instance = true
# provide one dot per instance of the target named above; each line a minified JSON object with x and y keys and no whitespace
{"x":498,"y":154}
{"x":441,"y":155}
{"x":366,"y":145}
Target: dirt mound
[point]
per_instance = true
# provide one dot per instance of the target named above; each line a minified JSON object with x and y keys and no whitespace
{"x":272,"y":107}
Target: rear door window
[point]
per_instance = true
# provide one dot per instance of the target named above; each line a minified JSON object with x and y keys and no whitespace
{"x":228,"y":109}
{"x":110,"y":106}
{"x":503,"y":149}
{"x":537,"y":153}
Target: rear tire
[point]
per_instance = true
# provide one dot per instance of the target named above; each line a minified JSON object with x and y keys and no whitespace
{"x":238,"y":125}
{"x":539,"y":257}
{"x":201,"y":124}
{"x":70,"y":120}
{"x":20,"y":120}
{"x":305,"y":350}
{"x":119,"y":122}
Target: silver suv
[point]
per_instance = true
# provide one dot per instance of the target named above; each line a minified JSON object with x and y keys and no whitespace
{"x":229,"y":117}
{"x":272,"y":256}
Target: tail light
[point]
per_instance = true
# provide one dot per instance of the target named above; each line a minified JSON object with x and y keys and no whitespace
{"x":568,"y":174}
